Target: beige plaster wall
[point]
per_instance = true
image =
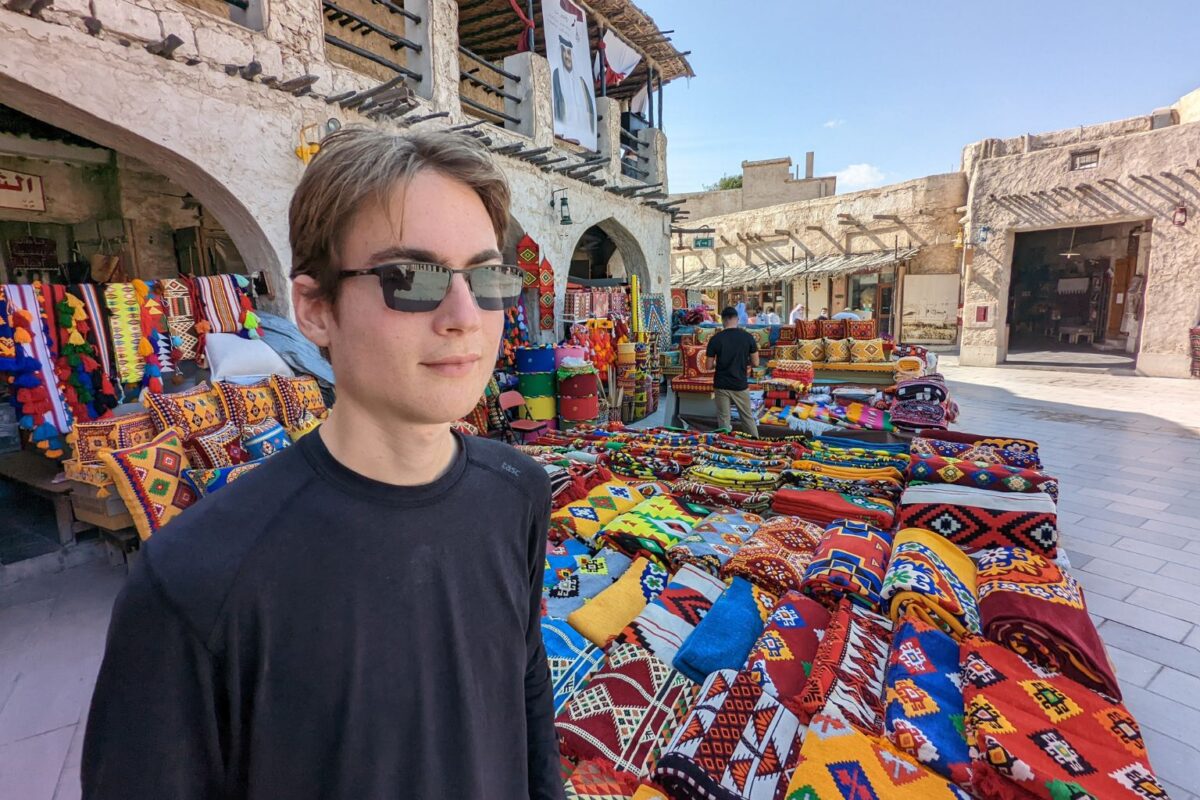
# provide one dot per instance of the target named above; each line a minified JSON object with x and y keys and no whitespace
{"x":764,"y":183}
{"x":73,"y":192}
{"x":154,"y":206}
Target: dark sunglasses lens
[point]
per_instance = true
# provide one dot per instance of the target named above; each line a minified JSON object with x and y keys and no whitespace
{"x":496,"y":287}
{"x":414,"y":287}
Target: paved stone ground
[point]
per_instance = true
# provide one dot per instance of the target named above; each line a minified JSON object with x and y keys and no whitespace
{"x":1126,"y":449}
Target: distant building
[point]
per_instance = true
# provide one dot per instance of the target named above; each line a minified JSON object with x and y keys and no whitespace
{"x":764,"y":183}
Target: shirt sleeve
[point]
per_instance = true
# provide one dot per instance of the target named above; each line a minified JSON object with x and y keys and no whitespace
{"x":153,"y":726}
{"x":545,"y":775}
{"x":753,"y":344}
{"x":711,"y":349}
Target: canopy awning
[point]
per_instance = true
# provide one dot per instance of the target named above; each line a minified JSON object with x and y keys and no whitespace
{"x":771,"y":272}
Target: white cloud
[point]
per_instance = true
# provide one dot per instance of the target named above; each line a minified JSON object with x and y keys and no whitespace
{"x":860,"y":176}
{"x":834,"y":123}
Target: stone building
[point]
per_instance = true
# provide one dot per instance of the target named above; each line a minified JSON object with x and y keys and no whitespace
{"x":1088,"y":234}
{"x":145,"y":118}
{"x":890,"y":249}
{"x":764,"y":183}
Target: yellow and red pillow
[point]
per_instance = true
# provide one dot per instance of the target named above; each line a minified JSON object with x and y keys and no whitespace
{"x":248,"y":404}
{"x":862,"y":328}
{"x":89,"y":438}
{"x":867,"y":351}
{"x":810,"y":350}
{"x":194,"y":412}
{"x":294,"y":396}
{"x":837,"y":351}
{"x":693,"y":362}
{"x":833,"y":328}
{"x":149,"y":478}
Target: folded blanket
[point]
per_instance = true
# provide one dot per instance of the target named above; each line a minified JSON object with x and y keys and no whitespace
{"x":931,"y":579}
{"x":1042,"y":735}
{"x":620,"y":715}
{"x":860,"y":457}
{"x":825,"y":507}
{"x":713,"y":540}
{"x":1031,"y":606}
{"x":837,"y":761}
{"x":923,"y":698}
{"x":594,"y":574}
{"x":650,"y":528}
{"x":987,"y":454}
{"x":728,"y":631}
{"x":882,"y":488}
{"x":850,"y":561}
{"x":741,"y":480}
{"x":745,"y":463}
{"x":847,"y":671}
{"x":607,"y":614}
{"x":852,"y":473}
{"x":932,"y":390}
{"x":583,"y":519}
{"x":669,"y":619}
{"x":563,"y":559}
{"x":1025,"y":450}
{"x":598,"y":780}
{"x":834,"y":440}
{"x":782,"y":658}
{"x":646,"y":467}
{"x":913,"y":415}
{"x":977,"y":519}
{"x":572,"y":658}
{"x":775,"y":556}
{"x":738,"y":742}
{"x":712,"y":496}
{"x":981,"y":475}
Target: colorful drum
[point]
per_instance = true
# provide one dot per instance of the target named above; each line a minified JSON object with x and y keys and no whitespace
{"x":567,"y":351}
{"x":536,"y":384}
{"x":535,"y":359}
{"x":579,"y":408}
{"x":541,"y":408}
{"x":577,"y":386}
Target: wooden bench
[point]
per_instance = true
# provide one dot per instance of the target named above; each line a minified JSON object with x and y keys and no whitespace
{"x":37,"y":474}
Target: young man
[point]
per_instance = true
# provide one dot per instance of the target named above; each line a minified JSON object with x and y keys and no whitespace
{"x":730,"y":352}
{"x":358,"y":617}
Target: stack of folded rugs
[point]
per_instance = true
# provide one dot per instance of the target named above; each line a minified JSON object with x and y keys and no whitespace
{"x":895,"y":622}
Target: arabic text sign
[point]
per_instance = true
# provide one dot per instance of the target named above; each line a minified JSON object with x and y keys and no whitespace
{"x":18,"y":190}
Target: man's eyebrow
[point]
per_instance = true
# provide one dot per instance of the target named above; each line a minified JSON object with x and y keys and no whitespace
{"x":401,"y":253}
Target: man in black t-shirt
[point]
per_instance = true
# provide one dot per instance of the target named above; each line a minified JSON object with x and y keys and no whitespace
{"x":732,"y":352}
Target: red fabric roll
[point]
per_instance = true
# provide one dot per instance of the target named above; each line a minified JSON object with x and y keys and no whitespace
{"x":826,"y":507}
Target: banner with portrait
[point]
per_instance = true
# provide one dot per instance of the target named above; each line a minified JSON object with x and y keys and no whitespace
{"x":569,"y":54}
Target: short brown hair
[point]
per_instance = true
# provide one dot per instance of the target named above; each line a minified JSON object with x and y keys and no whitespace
{"x":359,"y":165}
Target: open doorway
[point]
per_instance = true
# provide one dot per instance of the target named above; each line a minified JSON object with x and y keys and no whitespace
{"x":1075,"y":296}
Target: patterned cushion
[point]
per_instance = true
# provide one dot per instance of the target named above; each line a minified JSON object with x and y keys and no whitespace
{"x":833,"y":329}
{"x":866,"y":351}
{"x":693,"y":362}
{"x":149,"y":479}
{"x":837,"y":351}
{"x":221,"y":448}
{"x":862,"y":328}
{"x":787,"y":334}
{"x":193,"y":412}
{"x":89,"y":438}
{"x":808,"y":329}
{"x":308,"y":424}
{"x":762,"y":337}
{"x":265,"y":439}
{"x":130,"y":430}
{"x":294,"y":396}
{"x":207,"y":481}
{"x":248,"y":404}
{"x":787,"y":352}
{"x":810,"y":350}
{"x":704,"y":334}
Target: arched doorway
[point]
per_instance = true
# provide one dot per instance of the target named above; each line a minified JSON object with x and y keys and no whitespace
{"x":607,"y":250}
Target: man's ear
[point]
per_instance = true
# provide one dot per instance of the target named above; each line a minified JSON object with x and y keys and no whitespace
{"x":314,"y":312}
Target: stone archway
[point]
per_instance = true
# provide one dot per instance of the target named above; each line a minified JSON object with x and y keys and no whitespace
{"x":617,"y":248}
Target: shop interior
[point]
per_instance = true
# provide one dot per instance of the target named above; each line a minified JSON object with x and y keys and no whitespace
{"x":1075,"y":297}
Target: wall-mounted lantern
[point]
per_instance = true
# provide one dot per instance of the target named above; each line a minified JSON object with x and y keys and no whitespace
{"x":564,"y":209}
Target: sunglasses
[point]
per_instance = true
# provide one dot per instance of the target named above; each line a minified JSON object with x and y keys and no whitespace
{"x":423,"y":287}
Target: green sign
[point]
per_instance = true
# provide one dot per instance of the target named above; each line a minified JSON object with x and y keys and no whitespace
{"x":702,"y":242}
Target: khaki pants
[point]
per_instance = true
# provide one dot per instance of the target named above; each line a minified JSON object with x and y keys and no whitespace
{"x":741,"y":399}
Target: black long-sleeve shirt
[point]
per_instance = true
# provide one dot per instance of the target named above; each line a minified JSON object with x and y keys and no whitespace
{"x":307,"y":632}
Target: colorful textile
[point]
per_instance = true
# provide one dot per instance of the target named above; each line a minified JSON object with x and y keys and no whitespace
{"x":562,"y":559}
{"x":265,"y":438}
{"x":1017,"y":452}
{"x":832,"y":328}
{"x":26,"y":352}
{"x":220,"y":448}
{"x":982,"y":453}
{"x":296,"y":396}
{"x":669,"y":619}
{"x":650,"y":528}
{"x":125,"y":324}
{"x":810,"y":350}
{"x":932,"y":390}
{"x":594,"y":574}
{"x":181,"y":317}
{"x":110,"y":433}
{"x":607,"y":614}
{"x":713,"y":540}
{"x":850,"y":561}
{"x":206,"y":481}
{"x":913,"y":415}
{"x":194,"y":412}
{"x":825,"y":507}
{"x":923,"y":699}
{"x":981,"y":475}
{"x":838,"y":762}
{"x":775,"y":556}
{"x":219,"y":302}
{"x":248,"y":404}
{"x":737,"y":742}
{"x":739,"y":480}
{"x":695,"y":365}
{"x":866,"y":351}
{"x":1038,"y":734}
{"x":1031,"y":606}
{"x":711,"y":496}
{"x":99,"y":329}
{"x":584,"y":519}
{"x":727,"y":633}
{"x":847,"y":672}
{"x":837,"y":350}
{"x":863,"y":329}
{"x":629,"y":464}
{"x":881,"y":488}
{"x":782,"y":658}
{"x":977,"y":519}
{"x":571,"y":657}
{"x":597,"y":780}
{"x":933,"y":580}
{"x":849,"y":472}
{"x":149,"y":479}
{"x":620,"y":714}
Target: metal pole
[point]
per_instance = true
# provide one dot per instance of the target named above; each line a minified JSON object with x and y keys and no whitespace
{"x":604,"y":74}
{"x":650,"y":93}
{"x":660,"y":98}
{"x":532,"y":28}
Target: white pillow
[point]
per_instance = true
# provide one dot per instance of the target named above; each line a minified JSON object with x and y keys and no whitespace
{"x":231,"y":356}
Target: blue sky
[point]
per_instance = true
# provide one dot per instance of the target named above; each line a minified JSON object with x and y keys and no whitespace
{"x":887,"y":91}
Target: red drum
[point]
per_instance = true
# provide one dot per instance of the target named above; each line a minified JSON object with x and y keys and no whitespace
{"x":577,"y":409}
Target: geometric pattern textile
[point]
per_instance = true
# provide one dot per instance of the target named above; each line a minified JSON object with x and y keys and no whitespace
{"x":850,"y":561}
{"x":248,"y":404}
{"x":546,"y":296}
{"x":264,"y":438}
{"x":782,"y":658}
{"x":810,"y":350}
{"x":619,"y":715}
{"x":932,"y":579}
{"x":694,"y":362}
{"x":206,"y":481}
{"x":181,"y":317}
{"x":880,"y":488}
{"x":997,"y":477}
{"x":595,"y":780}
{"x":221,"y":448}
{"x":837,"y":351}
{"x":294,"y":396}
{"x":863,"y":329}
{"x":606,"y":615}
{"x":594,"y":574}
{"x":194,"y":412}
{"x":978,"y":519}
{"x":808,"y":329}
{"x":866,"y":351}
{"x":219,"y":302}
{"x":981,"y":453}
{"x":833,"y":329}
{"x":583,"y":519}
{"x":1030,"y":605}
{"x":839,"y":763}
{"x":563,"y":559}
{"x":847,"y":673}
{"x":727,"y":633}
{"x":149,"y":479}
{"x":924,"y":700}
{"x":571,"y":657}
{"x":1038,"y":734}
{"x":776,"y":555}
{"x":125,"y":324}
{"x":670,"y":618}
{"x":825,"y":508}
{"x":650,"y":528}
{"x":737,"y":742}
{"x":1012,"y":448}
{"x":714,"y":539}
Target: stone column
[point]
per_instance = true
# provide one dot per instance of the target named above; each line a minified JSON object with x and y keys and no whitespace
{"x":437,"y":62}
{"x":534,"y":110}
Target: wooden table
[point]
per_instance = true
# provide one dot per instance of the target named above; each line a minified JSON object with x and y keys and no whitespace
{"x":37,"y":473}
